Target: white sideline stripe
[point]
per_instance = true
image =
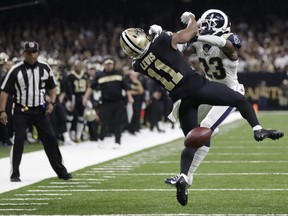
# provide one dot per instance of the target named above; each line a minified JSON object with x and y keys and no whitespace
{"x":215,"y":161}
{"x":232,"y":174}
{"x":64,"y":186}
{"x":113,"y":168}
{"x":87,"y":179}
{"x":120,"y":166}
{"x":73,"y":183}
{"x":250,"y":146}
{"x":164,"y":190}
{"x":43,"y":194}
{"x":107,"y":171}
{"x":33,"y":209}
{"x":21,"y":204}
{"x":246,"y":154}
{"x":111,"y":176}
{"x":88,"y":154}
{"x":201,"y":174}
{"x":245,"y":161}
{"x":21,"y":199}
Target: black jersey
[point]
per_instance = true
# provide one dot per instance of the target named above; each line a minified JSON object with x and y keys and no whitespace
{"x":61,"y":87}
{"x":166,"y":66}
{"x":111,"y":85}
{"x":28,"y":83}
{"x":77,"y":84}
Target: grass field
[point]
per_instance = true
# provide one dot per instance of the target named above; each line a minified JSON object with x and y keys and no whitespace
{"x":239,"y":176}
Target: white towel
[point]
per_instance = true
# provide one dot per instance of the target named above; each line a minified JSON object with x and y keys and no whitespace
{"x":173,"y":116}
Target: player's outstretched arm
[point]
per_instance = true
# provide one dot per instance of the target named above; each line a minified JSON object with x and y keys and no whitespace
{"x":225,"y":45}
{"x":185,"y":35}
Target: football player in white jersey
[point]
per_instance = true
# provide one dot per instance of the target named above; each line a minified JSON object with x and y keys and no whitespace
{"x":217,"y":50}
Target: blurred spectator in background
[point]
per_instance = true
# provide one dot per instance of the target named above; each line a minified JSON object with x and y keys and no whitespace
{"x":281,"y":61}
{"x":58,"y":116}
{"x":93,"y":68}
{"x":81,"y":38}
{"x":263,"y":95}
{"x":283,"y":101}
{"x":155,"y":111}
{"x":6,"y":131}
{"x":137,"y":92}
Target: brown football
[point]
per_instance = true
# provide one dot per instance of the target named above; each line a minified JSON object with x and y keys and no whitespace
{"x":197,"y":137}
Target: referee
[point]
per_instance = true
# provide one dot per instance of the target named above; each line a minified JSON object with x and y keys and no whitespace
{"x":27,"y":82}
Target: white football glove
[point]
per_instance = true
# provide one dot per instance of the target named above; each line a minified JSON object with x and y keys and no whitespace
{"x":155,"y":29}
{"x":186,"y":17}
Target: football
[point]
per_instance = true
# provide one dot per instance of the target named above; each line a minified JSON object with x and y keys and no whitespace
{"x":197,"y":137}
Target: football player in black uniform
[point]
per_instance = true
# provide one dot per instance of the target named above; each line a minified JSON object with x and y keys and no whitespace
{"x":59,"y":116}
{"x":157,"y":57}
{"x":77,"y":85}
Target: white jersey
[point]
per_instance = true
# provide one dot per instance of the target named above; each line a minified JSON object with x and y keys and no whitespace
{"x":219,"y":68}
{"x":216,"y":64}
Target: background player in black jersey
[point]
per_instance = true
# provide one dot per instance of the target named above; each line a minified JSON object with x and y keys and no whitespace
{"x":77,"y":84}
{"x":111,"y":84}
{"x":157,"y":57}
{"x":59,"y":115}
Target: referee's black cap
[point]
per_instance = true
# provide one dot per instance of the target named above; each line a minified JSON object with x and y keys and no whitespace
{"x":31,"y":46}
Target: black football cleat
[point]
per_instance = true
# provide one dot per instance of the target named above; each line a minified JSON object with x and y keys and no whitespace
{"x":262,"y":134}
{"x":67,"y":176}
{"x":182,"y":191}
{"x":172,"y":180}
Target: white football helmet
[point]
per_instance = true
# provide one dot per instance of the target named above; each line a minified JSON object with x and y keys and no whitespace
{"x":214,"y":22}
{"x":134,"y":42}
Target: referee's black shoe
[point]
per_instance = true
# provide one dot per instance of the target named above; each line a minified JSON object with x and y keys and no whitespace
{"x":15,"y":179}
{"x":66,"y":176}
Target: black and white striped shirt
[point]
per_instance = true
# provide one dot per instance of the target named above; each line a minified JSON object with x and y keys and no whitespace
{"x":28,"y":83}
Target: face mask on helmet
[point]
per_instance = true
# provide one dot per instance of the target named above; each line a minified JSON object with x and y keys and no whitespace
{"x":134,"y":42}
{"x":214,"y":22}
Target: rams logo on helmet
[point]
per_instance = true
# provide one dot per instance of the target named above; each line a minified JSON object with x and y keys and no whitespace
{"x":214,"y":22}
{"x":134,"y":42}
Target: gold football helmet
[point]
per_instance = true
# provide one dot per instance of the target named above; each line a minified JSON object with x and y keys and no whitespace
{"x":90,"y":114}
{"x":134,"y":42}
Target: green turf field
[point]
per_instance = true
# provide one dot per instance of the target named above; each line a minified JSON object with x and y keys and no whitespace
{"x":239,"y":176}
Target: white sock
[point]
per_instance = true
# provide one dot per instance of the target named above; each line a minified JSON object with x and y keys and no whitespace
{"x":80,"y":127}
{"x":257,"y":127}
{"x":66,"y":136}
{"x":197,"y":160}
